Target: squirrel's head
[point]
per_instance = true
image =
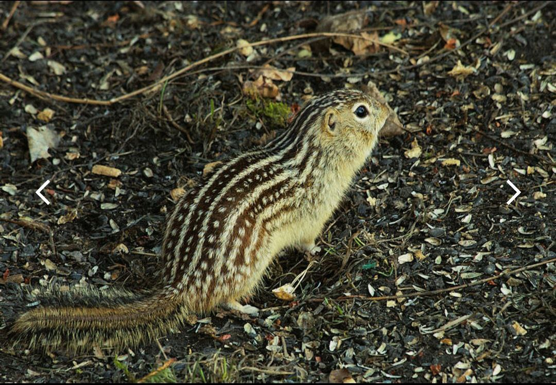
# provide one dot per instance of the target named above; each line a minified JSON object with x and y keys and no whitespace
{"x":355,"y":114}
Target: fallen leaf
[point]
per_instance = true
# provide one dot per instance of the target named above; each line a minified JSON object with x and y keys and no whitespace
{"x":405,"y":258}
{"x":192,"y":22}
{"x":460,"y":71}
{"x":177,"y":193}
{"x":72,"y":155}
{"x":244,"y":47}
{"x":9,"y":188}
{"x":435,"y":369}
{"x":56,"y":67}
{"x":30,"y":109}
{"x":16,"y":52}
{"x":390,"y":37}
{"x":40,"y":140}
{"x":367,"y":44}
{"x":519,"y":330}
{"x":36,"y":56}
{"x":415,"y":151}
{"x":67,"y":218}
{"x":419,"y":255}
{"x":429,"y":7}
{"x":46,"y":115}
{"x":17,"y":278}
{"x":261,"y":88}
{"x":285,"y":292}
{"x":209,"y":167}
{"x":347,"y":22}
{"x":272,"y":73}
{"x":451,"y":44}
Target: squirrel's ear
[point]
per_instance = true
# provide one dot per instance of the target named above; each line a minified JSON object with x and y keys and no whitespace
{"x":330,"y":119}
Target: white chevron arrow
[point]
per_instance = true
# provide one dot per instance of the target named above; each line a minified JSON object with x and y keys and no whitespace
{"x":517,"y":192}
{"x":38,"y":192}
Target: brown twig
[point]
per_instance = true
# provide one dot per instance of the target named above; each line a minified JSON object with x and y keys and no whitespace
{"x":12,"y":11}
{"x":538,"y":157}
{"x":20,"y":40}
{"x":30,"y":224}
{"x":525,"y":15}
{"x":159,"y":83}
{"x":155,"y":372}
{"x":440,"y":291}
{"x":506,"y":10}
{"x":479,"y":34}
{"x":48,"y":96}
{"x":177,"y":126}
{"x":259,"y":16}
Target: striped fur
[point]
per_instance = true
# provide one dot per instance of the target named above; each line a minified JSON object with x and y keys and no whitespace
{"x":222,"y":235}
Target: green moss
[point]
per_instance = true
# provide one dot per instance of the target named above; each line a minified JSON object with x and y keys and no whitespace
{"x":273,"y":113}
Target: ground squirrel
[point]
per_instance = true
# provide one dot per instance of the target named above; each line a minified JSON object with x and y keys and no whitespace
{"x":223,"y":234}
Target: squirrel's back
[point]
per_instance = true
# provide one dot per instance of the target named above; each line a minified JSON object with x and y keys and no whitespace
{"x":223,"y":234}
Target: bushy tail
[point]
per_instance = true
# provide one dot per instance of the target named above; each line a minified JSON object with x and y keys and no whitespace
{"x":77,"y":319}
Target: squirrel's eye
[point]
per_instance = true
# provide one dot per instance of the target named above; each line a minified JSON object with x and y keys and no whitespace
{"x":361,"y":112}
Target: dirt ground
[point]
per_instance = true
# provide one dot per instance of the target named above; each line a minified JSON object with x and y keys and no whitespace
{"x":474,"y":85}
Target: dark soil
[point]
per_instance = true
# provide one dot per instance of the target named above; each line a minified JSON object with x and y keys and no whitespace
{"x":411,"y":223}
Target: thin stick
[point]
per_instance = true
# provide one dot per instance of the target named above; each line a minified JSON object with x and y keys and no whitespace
{"x":12,"y":11}
{"x":440,"y":291}
{"x":177,"y":126}
{"x":525,"y":15}
{"x":47,"y":95}
{"x":538,"y":157}
{"x":156,"y":85}
{"x":506,"y":10}
{"x":266,"y":371}
{"x":20,"y":40}
{"x":155,"y":372}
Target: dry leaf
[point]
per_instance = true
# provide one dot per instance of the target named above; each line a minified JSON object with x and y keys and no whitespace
{"x":67,"y":218}
{"x":192,"y":21}
{"x":368,"y":44}
{"x":261,"y":88}
{"x":272,"y":73}
{"x":390,"y":37}
{"x":429,"y":7}
{"x":244,"y":47}
{"x":285,"y":292}
{"x":177,"y":193}
{"x":346,"y":22}
{"x":461,"y":72}
{"x":405,"y":258}
{"x":56,"y":67}
{"x":1,"y":141}
{"x":209,"y":167}
{"x":415,"y":151}
{"x":16,"y":52}
{"x":17,"y":278}
{"x":9,"y":188}
{"x":106,"y":171}
{"x":46,"y":115}
{"x":40,"y":140}
{"x":72,"y":155}
{"x":30,"y":109}
{"x":519,"y":330}
{"x":419,"y":255}
{"x":36,"y":56}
